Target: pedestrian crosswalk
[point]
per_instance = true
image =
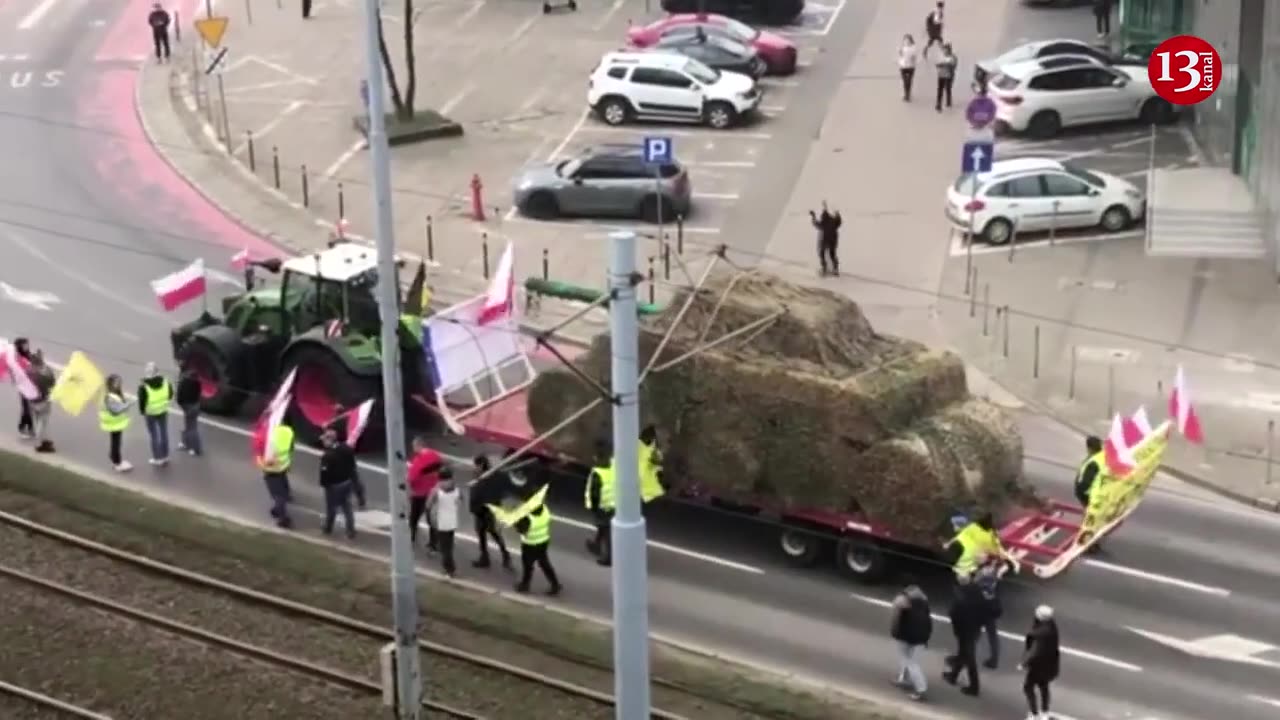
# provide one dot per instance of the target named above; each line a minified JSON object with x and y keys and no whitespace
{"x":58,"y":33}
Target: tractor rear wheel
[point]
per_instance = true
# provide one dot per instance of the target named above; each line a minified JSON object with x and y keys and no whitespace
{"x":220,"y":390}
{"x":325,"y":388}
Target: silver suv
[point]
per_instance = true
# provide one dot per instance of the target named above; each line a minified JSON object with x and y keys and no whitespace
{"x":604,"y":181}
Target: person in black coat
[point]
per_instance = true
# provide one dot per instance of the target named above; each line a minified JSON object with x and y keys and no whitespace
{"x":968,"y":613}
{"x":22,"y":356}
{"x":912,"y":628}
{"x":188,"y":397}
{"x":337,"y":475}
{"x":159,"y":22}
{"x":489,"y":490}
{"x":1040,"y":661}
{"x":1102,"y":17}
{"x":828,"y":225}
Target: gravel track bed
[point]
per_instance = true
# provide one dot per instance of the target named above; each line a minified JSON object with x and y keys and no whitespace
{"x":489,"y":693}
{"x":130,"y":671}
{"x":16,"y":708}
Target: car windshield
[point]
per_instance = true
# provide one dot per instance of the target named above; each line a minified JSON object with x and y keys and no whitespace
{"x":701,"y":73}
{"x":740,"y":30}
{"x":1079,"y":172}
{"x":569,"y":167}
{"x":1005,"y":82}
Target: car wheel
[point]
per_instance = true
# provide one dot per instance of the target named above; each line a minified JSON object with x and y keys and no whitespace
{"x":720,"y":115}
{"x":541,"y":205}
{"x":1155,"y":111}
{"x":615,"y":111}
{"x":998,"y":232}
{"x":655,"y":211}
{"x":1116,"y":218}
{"x":1044,"y":124}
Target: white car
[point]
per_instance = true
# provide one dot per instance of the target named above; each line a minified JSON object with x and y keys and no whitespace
{"x":1041,"y":49}
{"x":1038,"y":194}
{"x":629,"y":86}
{"x":1040,"y":97}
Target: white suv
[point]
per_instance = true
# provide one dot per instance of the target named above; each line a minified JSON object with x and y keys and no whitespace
{"x":626,"y":86}
{"x":1045,"y":95}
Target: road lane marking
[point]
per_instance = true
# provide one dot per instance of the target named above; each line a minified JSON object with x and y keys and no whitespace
{"x":466,"y":17}
{"x":457,"y":99}
{"x":718,"y":134}
{"x":14,"y":58}
{"x":729,"y":197}
{"x":613,"y":10}
{"x":272,"y":124}
{"x":1162,"y":579}
{"x":1082,"y":654}
{"x":568,"y":138}
{"x":1265,"y":700}
{"x":721,"y":164}
{"x":37,"y":14}
{"x":1224,"y":648}
{"x":958,"y":248}
{"x":778,"y":82}
{"x":343,"y":159}
{"x":520,"y":31}
{"x":81,"y":279}
{"x":283,"y":70}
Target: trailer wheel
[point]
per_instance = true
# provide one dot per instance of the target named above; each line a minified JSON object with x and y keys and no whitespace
{"x":799,"y":547}
{"x":861,"y":559}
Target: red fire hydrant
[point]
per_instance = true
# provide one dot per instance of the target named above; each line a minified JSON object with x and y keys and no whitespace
{"x":477,"y":200}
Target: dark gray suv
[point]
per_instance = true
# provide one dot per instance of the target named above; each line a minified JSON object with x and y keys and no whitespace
{"x":609,"y":181}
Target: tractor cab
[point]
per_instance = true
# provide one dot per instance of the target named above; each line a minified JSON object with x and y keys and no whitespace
{"x":334,"y":285}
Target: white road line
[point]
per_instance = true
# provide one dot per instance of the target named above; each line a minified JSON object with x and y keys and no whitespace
{"x":1082,"y":654}
{"x":272,"y":124}
{"x":454,"y":101}
{"x":777,"y":82}
{"x":1265,"y":700}
{"x":958,"y":247}
{"x":261,"y":86}
{"x":14,"y":58}
{"x":721,"y":164}
{"x":37,"y":14}
{"x":511,"y":214}
{"x":343,"y":159}
{"x":716,"y":196}
{"x":717,"y":134}
{"x":533,"y":99}
{"x":81,"y":279}
{"x":521,"y":30}
{"x":613,"y":10}
{"x":582,"y":119}
{"x":283,"y":70}
{"x":773,"y":108}
{"x":831,"y":21}
{"x":466,"y":17}
{"x":1162,"y":579}
{"x":237,"y":63}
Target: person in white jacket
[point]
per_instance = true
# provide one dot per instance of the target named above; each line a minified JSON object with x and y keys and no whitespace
{"x":907,"y":64}
{"x":443,"y":505}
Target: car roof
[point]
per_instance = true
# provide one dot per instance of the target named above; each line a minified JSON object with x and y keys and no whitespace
{"x":620,"y":151}
{"x":1027,"y":68}
{"x":670,"y":60}
{"x":1017,"y":166}
{"x":340,"y":262}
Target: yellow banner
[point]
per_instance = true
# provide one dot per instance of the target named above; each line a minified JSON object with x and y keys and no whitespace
{"x":1114,"y":496}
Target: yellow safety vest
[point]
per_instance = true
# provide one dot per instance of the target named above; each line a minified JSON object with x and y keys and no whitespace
{"x":539,"y":530}
{"x":1100,"y":460}
{"x":158,"y":399}
{"x":281,"y":441}
{"x":975,"y":540}
{"x":650,"y":465}
{"x":605,"y":476}
{"x":109,"y":421}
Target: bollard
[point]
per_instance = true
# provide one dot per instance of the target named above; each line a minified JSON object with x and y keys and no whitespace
{"x":1111,"y":390}
{"x":177,"y":26}
{"x":1071,"y":377}
{"x":679,"y":234}
{"x":342,"y":202}
{"x":971,"y":289}
{"x":431,"y":241}
{"x":1053,"y":222}
{"x":1013,"y":239}
{"x":1006,"y":331}
{"x":1035,"y":361}
{"x":477,"y":199}
{"x":275,"y":164}
{"x":1271,"y":447}
{"x":306,"y":193}
{"x":546,"y":264}
{"x":652,"y":278}
{"x":666,"y":261}
{"x":253,"y":162}
{"x":484,"y":253}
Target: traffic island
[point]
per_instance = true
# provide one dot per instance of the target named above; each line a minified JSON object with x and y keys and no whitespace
{"x":424,"y":125}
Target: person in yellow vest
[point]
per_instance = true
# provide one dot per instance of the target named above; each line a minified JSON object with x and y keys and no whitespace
{"x":1089,"y":478}
{"x":600,"y":499}
{"x":535,"y":542}
{"x":650,"y":467}
{"x":113,"y":418}
{"x":155,"y":392}
{"x":978,"y":539}
{"x":275,"y":464}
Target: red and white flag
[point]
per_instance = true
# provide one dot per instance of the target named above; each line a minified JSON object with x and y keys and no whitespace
{"x":1183,"y":412}
{"x":1137,"y":427}
{"x":499,"y":301}
{"x":240,"y":260}
{"x":273,"y":420}
{"x":359,"y":419}
{"x":181,"y":287}
{"x":1118,"y":451}
{"x":282,"y":393}
{"x":333,"y":329}
{"x":16,"y":368}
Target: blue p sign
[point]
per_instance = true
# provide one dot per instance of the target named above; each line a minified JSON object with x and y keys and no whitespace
{"x":657,"y":150}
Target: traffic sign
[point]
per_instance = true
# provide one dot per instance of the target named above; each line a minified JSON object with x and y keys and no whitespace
{"x":980,"y":112}
{"x":216,"y":65}
{"x":976,"y":156}
{"x":212,"y":29}
{"x":658,"y":150}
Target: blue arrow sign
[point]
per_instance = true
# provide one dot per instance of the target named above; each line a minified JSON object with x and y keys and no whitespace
{"x":976,"y":156}
{"x":658,"y":150}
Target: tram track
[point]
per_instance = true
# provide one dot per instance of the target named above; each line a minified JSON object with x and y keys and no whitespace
{"x":23,"y":703}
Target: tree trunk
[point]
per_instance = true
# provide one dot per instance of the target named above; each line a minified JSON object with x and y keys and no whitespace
{"x":397,"y":101}
{"x":410,"y":61}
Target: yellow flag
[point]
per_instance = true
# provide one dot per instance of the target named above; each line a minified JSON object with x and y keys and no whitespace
{"x":78,"y":384}
{"x":511,"y":517}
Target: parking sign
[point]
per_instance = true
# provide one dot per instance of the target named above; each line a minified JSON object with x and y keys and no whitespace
{"x":658,"y":150}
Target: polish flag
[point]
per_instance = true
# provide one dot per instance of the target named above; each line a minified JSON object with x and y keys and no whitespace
{"x":240,"y":260}
{"x":333,"y":329}
{"x":262,"y":447}
{"x":1119,"y":452}
{"x":1137,"y":428}
{"x":282,"y":393}
{"x":499,"y":301}
{"x":181,"y":287}
{"x":359,"y":420}
{"x":1183,"y":412}
{"x":16,"y":368}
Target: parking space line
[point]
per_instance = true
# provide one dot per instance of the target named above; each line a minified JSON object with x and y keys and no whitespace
{"x":778,"y":82}
{"x":454,"y":101}
{"x":721,"y":164}
{"x":469,"y":14}
{"x":272,"y":124}
{"x":958,"y":247}
{"x":297,"y":77}
{"x":715,"y":196}
{"x":524,"y":28}
{"x":613,"y":10}
{"x":568,"y":138}
{"x":593,"y":228}
{"x":717,"y":134}
{"x":533,"y":99}
{"x":772,"y":108}
{"x":343,"y":159}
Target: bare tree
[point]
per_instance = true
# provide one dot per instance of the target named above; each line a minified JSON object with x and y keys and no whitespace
{"x":402,"y":103}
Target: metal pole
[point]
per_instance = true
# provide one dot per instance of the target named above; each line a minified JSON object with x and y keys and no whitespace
{"x":657,"y":191}
{"x":208,"y":8}
{"x":1053,"y":222}
{"x":1111,"y":390}
{"x":1013,"y":239}
{"x":1006,"y":331}
{"x":986,"y":308}
{"x":1035,"y":361}
{"x":973,"y":293}
{"x":404,"y":586}
{"x":630,"y":574}
{"x":1271,"y":447}
{"x":226,"y":121}
{"x":248,"y":11}
{"x":968,"y":241}
{"x":1071,"y":380}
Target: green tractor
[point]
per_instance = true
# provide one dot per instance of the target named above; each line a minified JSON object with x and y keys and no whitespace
{"x":321,"y":320}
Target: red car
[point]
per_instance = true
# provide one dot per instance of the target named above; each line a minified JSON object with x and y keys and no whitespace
{"x":778,"y":52}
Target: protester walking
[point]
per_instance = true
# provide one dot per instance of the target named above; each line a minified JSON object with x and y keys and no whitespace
{"x":1041,"y":661}
{"x":424,"y":474}
{"x":828,"y":225}
{"x":22,"y":359}
{"x":933,"y":28}
{"x":443,"y":506}
{"x":912,"y":628}
{"x":1102,"y":18}
{"x":341,"y":424}
{"x":43,"y":379}
{"x":155,"y":392}
{"x":306,"y":9}
{"x":966,"y":624}
{"x":907,"y":52}
{"x":946,"y":65}
{"x":113,"y":418}
{"x":600,"y":500}
{"x":488,"y":489}
{"x":188,"y":398}
{"x":159,"y":21}
{"x":337,"y":475}
{"x":987,"y":582}
{"x":276,"y":460}
{"x":535,"y":546}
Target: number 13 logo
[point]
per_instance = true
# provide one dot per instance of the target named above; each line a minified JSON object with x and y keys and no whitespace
{"x":1185,"y":70}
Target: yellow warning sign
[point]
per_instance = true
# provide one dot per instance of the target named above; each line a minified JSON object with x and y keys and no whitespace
{"x":212,"y":29}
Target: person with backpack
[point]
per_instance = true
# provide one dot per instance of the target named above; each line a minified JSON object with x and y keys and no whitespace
{"x":933,"y":28}
{"x":911,"y":628}
{"x":1041,"y":662}
{"x":987,"y":582}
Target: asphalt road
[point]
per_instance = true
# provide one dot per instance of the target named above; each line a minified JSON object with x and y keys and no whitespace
{"x":91,"y":219}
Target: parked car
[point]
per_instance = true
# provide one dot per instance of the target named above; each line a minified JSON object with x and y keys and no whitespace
{"x":715,"y":52}
{"x":778,"y":52}
{"x":1041,"y":97}
{"x":1051,"y":48}
{"x":1036,"y":194}
{"x":628,"y":86}
{"x":604,"y":181}
{"x":772,"y":12}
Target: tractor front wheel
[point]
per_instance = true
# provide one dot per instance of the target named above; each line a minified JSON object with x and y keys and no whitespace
{"x":220,"y":390}
{"x":323,"y":390}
